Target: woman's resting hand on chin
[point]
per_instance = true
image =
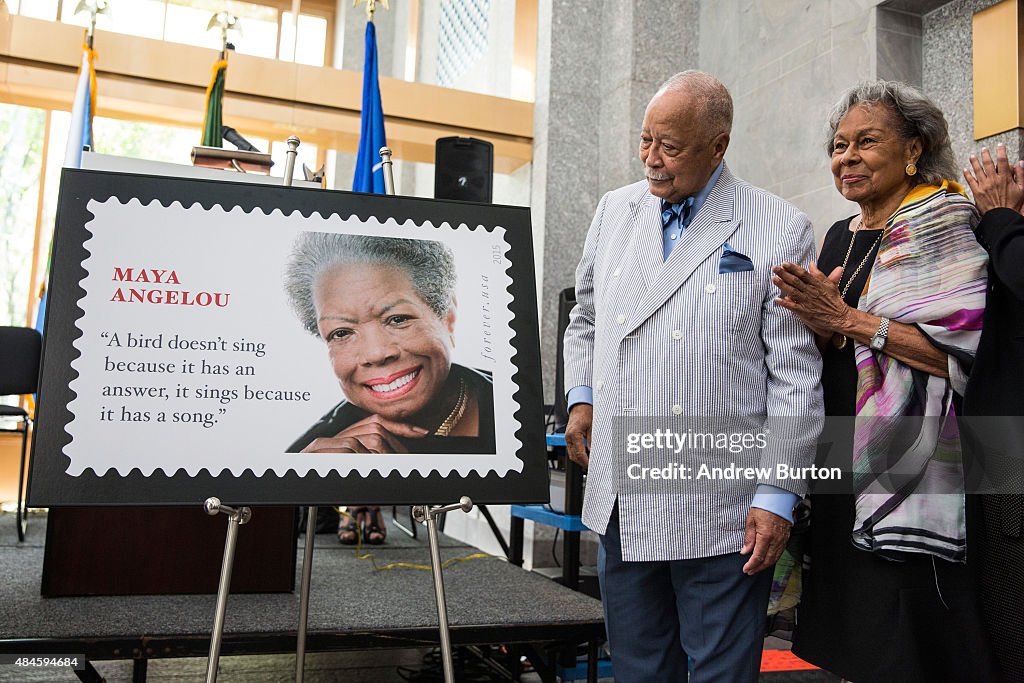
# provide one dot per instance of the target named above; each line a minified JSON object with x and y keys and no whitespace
{"x":373,"y":434}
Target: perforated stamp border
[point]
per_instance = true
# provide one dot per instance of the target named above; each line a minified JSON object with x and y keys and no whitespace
{"x":235,"y":251}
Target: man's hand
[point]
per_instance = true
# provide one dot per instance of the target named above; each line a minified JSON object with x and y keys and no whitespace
{"x":373,"y":434}
{"x":577,"y":433}
{"x":995,"y":185}
{"x":764,"y":539}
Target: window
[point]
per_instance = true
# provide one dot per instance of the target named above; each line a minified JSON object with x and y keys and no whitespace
{"x":22,"y":130}
{"x":143,"y":18}
{"x":37,"y":9}
{"x":266,"y":29}
{"x":151,"y":141}
{"x":312,"y":43}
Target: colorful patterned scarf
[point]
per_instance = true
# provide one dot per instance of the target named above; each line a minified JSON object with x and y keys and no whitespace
{"x":907,"y":465}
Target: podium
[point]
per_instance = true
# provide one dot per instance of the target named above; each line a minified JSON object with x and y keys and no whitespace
{"x":163,"y":551}
{"x":231,"y":159}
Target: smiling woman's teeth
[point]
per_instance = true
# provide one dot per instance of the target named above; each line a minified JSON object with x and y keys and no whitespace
{"x":397,"y":384}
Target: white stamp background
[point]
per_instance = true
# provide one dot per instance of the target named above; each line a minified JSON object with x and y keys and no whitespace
{"x":244,"y":254}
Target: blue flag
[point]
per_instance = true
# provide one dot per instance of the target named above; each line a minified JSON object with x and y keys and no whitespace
{"x":369,"y":177}
{"x":41,"y":311}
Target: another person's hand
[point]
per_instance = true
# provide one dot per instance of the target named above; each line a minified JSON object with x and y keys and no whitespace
{"x":995,"y":185}
{"x":373,"y":434}
{"x":578,"y":432}
{"x":764,"y":538}
{"x":812,"y":296}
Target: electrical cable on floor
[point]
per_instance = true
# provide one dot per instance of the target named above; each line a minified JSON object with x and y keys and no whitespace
{"x":408,"y":565}
{"x":554,"y":543}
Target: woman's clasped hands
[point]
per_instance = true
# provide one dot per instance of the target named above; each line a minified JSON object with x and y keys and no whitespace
{"x":813,"y":296}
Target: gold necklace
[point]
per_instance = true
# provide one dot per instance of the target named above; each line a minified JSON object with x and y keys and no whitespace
{"x":840,"y":342}
{"x":453,"y":418}
{"x":849,"y":250}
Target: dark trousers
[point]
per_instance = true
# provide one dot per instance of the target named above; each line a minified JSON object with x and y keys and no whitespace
{"x":657,"y":613}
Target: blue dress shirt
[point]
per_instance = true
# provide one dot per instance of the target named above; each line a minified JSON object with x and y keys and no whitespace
{"x":768,"y":497}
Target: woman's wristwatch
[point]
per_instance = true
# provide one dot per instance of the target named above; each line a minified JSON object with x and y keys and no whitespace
{"x":881,"y":336}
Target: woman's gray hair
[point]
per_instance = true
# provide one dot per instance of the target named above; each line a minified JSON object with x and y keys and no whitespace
{"x":429,"y":265}
{"x":917,"y":116}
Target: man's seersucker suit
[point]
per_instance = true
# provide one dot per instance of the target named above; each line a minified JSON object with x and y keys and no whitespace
{"x":656,"y":337}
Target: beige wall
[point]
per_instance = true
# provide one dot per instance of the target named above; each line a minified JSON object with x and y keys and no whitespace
{"x":786,"y":62}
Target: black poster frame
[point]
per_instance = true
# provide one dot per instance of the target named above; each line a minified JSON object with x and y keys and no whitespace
{"x":51,"y":485}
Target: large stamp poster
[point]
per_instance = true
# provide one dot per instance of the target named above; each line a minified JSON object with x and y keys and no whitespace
{"x":281,"y":345}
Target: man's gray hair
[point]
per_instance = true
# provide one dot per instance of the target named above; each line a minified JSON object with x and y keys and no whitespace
{"x":429,"y":265}
{"x":710,"y":97}
{"x":916,"y":116}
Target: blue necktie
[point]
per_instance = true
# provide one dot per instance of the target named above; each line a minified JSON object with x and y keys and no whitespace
{"x":674,"y":219}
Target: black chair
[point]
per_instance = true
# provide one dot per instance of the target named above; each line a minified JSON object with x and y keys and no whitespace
{"x":20,"y":348}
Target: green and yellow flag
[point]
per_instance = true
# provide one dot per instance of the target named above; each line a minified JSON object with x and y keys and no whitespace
{"x":215,"y":106}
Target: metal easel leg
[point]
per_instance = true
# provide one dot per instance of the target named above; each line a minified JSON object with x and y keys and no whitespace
{"x":307,"y":573}
{"x":429,"y":515}
{"x":89,"y":674}
{"x":236,"y":518}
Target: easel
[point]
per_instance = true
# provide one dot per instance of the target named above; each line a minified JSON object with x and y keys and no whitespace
{"x":239,"y":516}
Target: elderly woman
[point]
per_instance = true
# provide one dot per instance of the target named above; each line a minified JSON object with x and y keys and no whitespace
{"x":385,"y":309}
{"x":896,"y":302}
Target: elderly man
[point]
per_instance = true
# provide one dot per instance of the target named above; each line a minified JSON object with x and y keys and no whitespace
{"x":676,"y":317}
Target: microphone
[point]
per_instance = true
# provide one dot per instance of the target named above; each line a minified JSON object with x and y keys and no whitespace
{"x":232,"y":136}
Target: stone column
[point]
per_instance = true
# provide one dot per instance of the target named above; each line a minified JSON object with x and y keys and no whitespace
{"x":392,"y":35}
{"x":598,"y":64}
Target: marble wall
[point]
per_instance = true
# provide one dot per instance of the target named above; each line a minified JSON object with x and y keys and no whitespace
{"x":786,"y":63}
{"x":392,"y":28}
{"x":949,"y":78}
{"x":900,"y":51}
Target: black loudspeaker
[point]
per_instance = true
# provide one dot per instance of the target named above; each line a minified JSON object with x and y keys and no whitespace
{"x":463,"y":169}
{"x":566,"y":301}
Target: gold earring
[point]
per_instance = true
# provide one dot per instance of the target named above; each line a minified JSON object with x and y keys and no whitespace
{"x":911,"y":169}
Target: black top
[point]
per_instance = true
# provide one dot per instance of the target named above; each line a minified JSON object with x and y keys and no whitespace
{"x":995,"y":383}
{"x":993,"y":429}
{"x":839,"y":371}
{"x":346,"y":413}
